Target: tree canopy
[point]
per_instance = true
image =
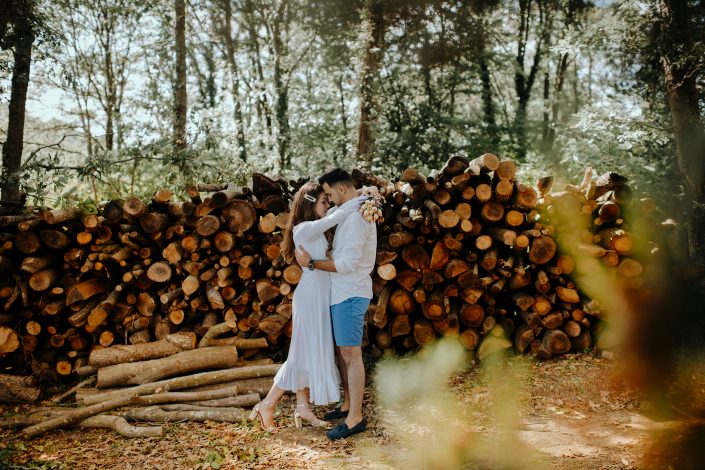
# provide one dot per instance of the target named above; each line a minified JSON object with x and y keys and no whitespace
{"x":291,"y":87}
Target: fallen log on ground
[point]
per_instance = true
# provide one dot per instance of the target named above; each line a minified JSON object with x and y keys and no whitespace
{"x":62,"y":396}
{"x":121,"y":426}
{"x":180,"y":397}
{"x":189,"y":381}
{"x":79,"y":414}
{"x":157,"y":415}
{"x":136,"y":373}
{"x":116,"y":423}
{"x":239,"y":401}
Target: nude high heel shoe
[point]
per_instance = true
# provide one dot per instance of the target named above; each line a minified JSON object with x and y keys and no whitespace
{"x":256,"y":414}
{"x":298,"y":419}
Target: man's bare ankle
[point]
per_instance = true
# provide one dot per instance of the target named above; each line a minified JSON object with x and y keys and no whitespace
{"x":352,"y":421}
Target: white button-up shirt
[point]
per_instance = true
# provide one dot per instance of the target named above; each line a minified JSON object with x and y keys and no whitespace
{"x":354,"y":253}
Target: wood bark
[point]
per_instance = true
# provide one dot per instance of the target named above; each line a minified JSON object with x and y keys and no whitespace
{"x":180,"y":363}
{"x":157,"y":415}
{"x":79,"y":414}
{"x":18,"y":389}
{"x":23,"y":25}
{"x":122,"y":354}
{"x":372,"y":56}
{"x":190,"y":381}
{"x":180,"y":99}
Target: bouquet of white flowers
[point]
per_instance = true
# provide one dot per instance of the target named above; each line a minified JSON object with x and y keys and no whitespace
{"x":371,"y":210}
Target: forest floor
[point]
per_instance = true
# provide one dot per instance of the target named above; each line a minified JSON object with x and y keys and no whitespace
{"x":571,"y":413}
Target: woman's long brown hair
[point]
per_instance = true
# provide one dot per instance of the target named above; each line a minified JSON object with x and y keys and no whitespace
{"x":302,"y":210}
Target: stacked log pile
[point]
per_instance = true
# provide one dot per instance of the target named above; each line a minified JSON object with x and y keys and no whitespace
{"x":466,"y":254}
{"x":137,"y":273}
{"x":466,"y":251}
{"x":593,"y":222}
{"x":613,"y":238}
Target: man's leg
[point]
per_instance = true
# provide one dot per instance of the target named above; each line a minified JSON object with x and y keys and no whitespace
{"x":340,"y":362}
{"x":352,"y":357}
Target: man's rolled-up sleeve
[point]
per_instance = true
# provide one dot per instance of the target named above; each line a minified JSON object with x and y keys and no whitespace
{"x":352,"y":243}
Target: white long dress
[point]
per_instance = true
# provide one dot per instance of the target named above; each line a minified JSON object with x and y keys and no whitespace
{"x":311,"y":359}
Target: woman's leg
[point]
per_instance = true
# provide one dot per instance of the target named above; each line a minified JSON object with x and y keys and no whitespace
{"x":302,"y":396}
{"x":304,"y":410}
{"x":266,"y":407}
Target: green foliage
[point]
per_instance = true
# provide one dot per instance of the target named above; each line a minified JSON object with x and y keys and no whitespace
{"x":643,"y":43}
{"x":214,"y":459}
{"x":446,"y":84}
{"x":136,"y":171}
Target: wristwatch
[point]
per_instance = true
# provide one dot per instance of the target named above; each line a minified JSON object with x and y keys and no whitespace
{"x":311,"y":266}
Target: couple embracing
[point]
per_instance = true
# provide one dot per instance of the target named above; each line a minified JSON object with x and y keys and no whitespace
{"x":329,"y":305}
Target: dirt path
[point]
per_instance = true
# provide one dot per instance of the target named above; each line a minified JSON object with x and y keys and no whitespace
{"x":569,"y":414}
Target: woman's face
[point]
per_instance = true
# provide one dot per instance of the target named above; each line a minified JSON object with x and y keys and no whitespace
{"x":322,"y":205}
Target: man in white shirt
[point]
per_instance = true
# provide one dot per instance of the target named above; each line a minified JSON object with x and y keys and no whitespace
{"x":354,"y":252}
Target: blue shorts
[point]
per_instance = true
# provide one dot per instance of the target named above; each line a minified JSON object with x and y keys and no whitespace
{"x":348,"y":317}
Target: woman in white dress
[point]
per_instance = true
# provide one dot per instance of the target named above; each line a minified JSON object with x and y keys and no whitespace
{"x":310,"y":368}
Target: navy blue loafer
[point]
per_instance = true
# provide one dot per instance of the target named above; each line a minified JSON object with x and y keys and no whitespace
{"x":342,"y":431}
{"x":335,"y":414}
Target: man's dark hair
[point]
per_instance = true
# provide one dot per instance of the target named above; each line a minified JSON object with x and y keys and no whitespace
{"x":336,"y":175}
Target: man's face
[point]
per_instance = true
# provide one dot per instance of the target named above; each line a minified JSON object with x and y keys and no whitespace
{"x":333,"y":192}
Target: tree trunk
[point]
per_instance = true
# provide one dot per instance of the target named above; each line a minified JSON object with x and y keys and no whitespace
{"x":282,"y":88}
{"x":230,"y":46}
{"x":180,"y":83}
{"x":488,"y":106}
{"x":523,"y":81}
{"x":372,"y":58}
{"x":549,"y":135}
{"x":12,"y":149}
{"x":110,"y":99}
{"x":681,"y":77}
{"x":262,"y":109}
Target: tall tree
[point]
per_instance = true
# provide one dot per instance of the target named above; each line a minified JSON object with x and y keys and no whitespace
{"x":372,"y":52}
{"x":262,"y":106}
{"x":483,"y":53}
{"x":682,"y":67}
{"x":281,"y":22}
{"x":524,"y":80}
{"x":16,"y":33}
{"x":230,"y":52}
{"x":552,"y":95}
{"x":99,"y":41}
{"x":180,"y":104}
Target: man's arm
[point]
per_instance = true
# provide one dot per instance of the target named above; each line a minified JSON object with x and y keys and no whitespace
{"x":325,"y":265}
{"x":302,"y":257}
{"x":335,"y":215}
{"x":350,"y":253}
